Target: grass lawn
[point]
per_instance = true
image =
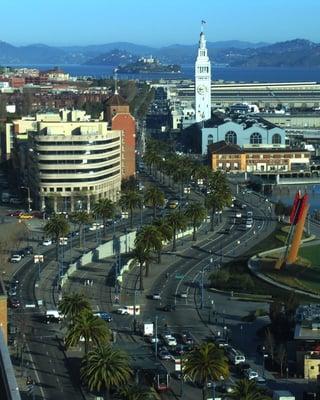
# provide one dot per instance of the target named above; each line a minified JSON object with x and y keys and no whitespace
{"x":300,"y":276}
{"x":311,"y":253}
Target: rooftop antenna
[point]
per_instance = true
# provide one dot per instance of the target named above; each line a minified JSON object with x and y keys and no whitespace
{"x":115,"y":77}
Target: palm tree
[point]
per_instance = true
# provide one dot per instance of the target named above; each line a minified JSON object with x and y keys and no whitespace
{"x":154,"y":197}
{"x":205,"y":363}
{"x":215,"y":201}
{"x":143,"y":257}
{"x":150,"y":239}
{"x":72,"y":304}
{"x":104,"y":209}
{"x":56,"y":228}
{"x":89,"y":327}
{"x":177,"y":221}
{"x":104,"y":367}
{"x":247,"y":390}
{"x":165,"y":231}
{"x":196,"y":213}
{"x":81,"y":218}
{"x":129,"y":201}
{"x":137,"y":392}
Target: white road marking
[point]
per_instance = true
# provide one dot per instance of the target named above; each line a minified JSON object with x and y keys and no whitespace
{"x":36,"y":372}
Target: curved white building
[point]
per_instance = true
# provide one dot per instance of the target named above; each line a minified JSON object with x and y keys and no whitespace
{"x":73,"y":164}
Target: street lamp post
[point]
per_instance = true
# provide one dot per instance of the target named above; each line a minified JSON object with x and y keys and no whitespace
{"x":156,"y":338}
{"x":29,"y":198}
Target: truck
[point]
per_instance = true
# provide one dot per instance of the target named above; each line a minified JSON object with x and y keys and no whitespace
{"x":283,"y":395}
{"x":148,"y":329}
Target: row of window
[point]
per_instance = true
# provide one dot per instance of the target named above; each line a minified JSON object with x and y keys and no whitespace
{"x":203,"y":70}
{"x":77,"y":143}
{"x":255,"y":138}
{"x":74,"y":180}
{"x":85,"y":161}
{"x":77,"y":152}
{"x":78,"y":171}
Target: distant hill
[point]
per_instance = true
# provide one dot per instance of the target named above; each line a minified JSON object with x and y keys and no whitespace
{"x":295,"y":53}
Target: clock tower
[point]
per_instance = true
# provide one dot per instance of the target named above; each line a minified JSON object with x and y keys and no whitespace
{"x":203,"y":81}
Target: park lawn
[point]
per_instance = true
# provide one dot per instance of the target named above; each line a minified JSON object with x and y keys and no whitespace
{"x":311,"y":253}
{"x":299,"y":276}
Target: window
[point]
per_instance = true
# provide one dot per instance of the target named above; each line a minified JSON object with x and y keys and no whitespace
{"x":210,"y":139}
{"x":231,"y":137}
{"x":276,"y":138}
{"x":256,"y":138}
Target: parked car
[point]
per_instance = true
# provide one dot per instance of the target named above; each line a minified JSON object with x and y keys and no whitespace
{"x":96,"y":226}
{"x":103,"y":315}
{"x":251,"y":374}
{"x":13,"y":302}
{"x":183,"y":295}
{"x":238,"y":214}
{"x":15,"y":258}
{"x":47,"y":242}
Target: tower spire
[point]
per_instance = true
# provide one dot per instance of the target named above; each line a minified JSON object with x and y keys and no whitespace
{"x":202,"y":25}
{"x":115,"y":77}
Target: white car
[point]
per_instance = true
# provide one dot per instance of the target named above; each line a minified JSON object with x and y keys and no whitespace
{"x":238,"y":214}
{"x":156,"y":296}
{"x":183,"y":295}
{"x":15,"y":258}
{"x":95,"y":226}
{"x":251,"y":374}
{"x":47,"y":242}
{"x":170,"y":340}
{"x":123,"y":311}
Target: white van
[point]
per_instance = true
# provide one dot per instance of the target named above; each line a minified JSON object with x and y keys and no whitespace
{"x":236,"y":357}
{"x":53,"y":316}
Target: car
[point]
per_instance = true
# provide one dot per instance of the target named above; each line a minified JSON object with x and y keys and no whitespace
{"x":96,"y":226}
{"x":251,"y":374}
{"x":179,"y":350}
{"x":25,"y":216}
{"x":249,"y":214}
{"x":153,"y":339}
{"x":15,"y":258}
{"x":238,"y":214}
{"x":63,"y":241}
{"x":103,"y":315}
{"x":248,"y":225}
{"x":172,"y":204}
{"x":221,"y":342}
{"x":47,"y":242}
{"x":156,"y":296}
{"x":13,"y":302}
{"x":261,"y":382}
{"x":165,"y":355}
{"x":122,"y":311}
{"x":183,"y":295}
{"x":28,"y":250}
{"x":186,"y":338}
{"x":170,"y":341}
{"x":168,"y":307}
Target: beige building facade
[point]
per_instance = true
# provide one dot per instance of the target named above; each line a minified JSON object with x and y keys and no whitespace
{"x":74,"y":164}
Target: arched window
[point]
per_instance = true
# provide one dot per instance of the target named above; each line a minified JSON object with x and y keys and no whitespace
{"x":256,"y":138}
{"x":210,"y":139}
{"x":231,"y":137}
{"x":276,"y":138}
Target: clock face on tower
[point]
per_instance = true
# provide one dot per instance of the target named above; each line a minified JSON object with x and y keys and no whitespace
{"x":201,"y":89}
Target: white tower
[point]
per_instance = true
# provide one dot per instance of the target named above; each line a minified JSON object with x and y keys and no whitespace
{"x":203,"y":81}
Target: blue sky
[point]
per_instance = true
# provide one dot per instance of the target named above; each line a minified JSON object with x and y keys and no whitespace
{"x":156,"y":22}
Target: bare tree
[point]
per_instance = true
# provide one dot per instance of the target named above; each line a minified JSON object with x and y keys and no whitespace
{"x":281,"y":356}
{"x":270,"y":343}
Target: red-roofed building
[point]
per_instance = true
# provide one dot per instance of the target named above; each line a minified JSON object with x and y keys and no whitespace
{"x":117,"y":114}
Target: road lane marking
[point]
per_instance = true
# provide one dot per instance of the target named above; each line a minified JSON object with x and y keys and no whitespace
{"x":35,"y":371}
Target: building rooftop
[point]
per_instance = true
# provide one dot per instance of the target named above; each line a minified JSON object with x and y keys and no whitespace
{"x":116,"y":100}
{"x":247,"y":121}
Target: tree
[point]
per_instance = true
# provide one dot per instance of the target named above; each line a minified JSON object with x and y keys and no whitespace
{"x":72,"y":304}
{"x":154,"y":197}
{"x":281,"y":357}
{"x":269,"y":343}
{"x":205,"y":363}
{"x":165,"y":231}
{"x":56,"y":228}
{"x":89,"y":327}
{"x":136,"y":392}
{"x":150,"y":239}
{"x":129,"y":201}
{"x":177,"y":221}
{"x":143,"y":257}
{"x":247,"y":390}
{"x":196,"y":213}
{"x":104,"y":209}
{"x":81,"y":218}
{"x":104,"y":368}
